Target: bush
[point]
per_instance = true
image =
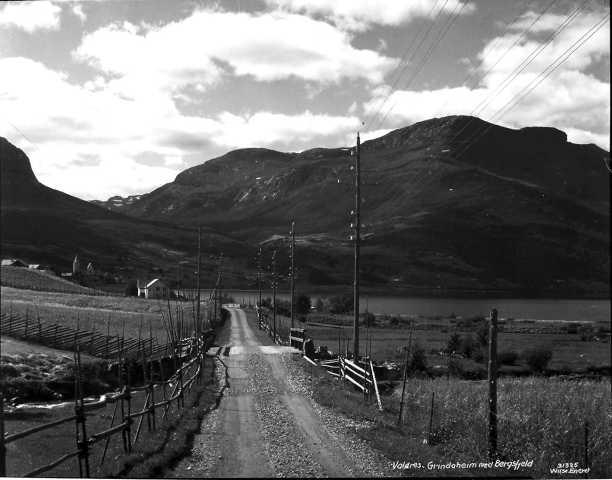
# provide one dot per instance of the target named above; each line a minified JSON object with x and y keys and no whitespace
{"x":507,"y":358}
{"x":368,"y":318}
{"x":319,"y":306}
{"x":537,"y":358}
{"x":482,"y":334}
{"x":452,"y":345}
{"x":341,"y":304}
{"x":467,"y":346}
{"x":302,"y":305}
{"x":131,"y":290}
{"x":418,"y":359}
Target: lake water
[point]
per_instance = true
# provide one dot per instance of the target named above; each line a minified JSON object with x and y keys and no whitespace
{"x":538,"y":309}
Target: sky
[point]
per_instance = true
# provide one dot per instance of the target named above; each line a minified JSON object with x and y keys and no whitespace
{"x":118,"y":97}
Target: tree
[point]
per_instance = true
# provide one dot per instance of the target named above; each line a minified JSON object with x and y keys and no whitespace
{"x":418,"y":359}
{"x":319,"y":306}
{"x":368,"y":318}
{"x":453,"y":343}
{"x":341,"y":303}
{"x":302,"y":305}
{"x":131,"y":289}
{"x":537,"y":358}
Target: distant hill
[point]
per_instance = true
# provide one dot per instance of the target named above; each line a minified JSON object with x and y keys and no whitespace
{"x":523,"y":211}
{"x":43,"y":225}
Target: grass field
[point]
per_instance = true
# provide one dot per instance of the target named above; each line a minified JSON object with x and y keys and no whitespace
{"x":29,"y":279}
{"x":540,"y":419}
{"x":93,"y":312}
{"x":570,"y":353}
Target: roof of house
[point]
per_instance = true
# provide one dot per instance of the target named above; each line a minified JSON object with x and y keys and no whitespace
{"x":155,"y":280}
{"x":12,"y":261}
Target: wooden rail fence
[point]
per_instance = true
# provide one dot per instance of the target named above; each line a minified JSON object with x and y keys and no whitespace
{"x":168,"y":389}
{"x":59,"y":336}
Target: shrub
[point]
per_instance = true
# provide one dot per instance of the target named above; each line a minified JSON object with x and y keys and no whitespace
{"x":368,"y":318}
{"x":507,"y":358}
{"x":418,"y":359}
{"x":452,"y":345}
{"x":131,"y":290}
{"x":319,"y":306}
{"x":302,"y":304}
{"x":467,"y":346}
{"x":341,"y":303}
{"x":537,"y":358}
{"x":482,"y":334}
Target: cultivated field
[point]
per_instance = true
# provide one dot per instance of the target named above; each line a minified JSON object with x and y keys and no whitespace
{"x":118,"y":314}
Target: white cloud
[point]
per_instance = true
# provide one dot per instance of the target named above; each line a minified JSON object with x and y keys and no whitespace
{"x":570,"y":99}
{"x":79,"y":12}
{"x":99,"y":136}
{"x":30,"y":16}
{"x":360,"y":15}
{"x":209,"y":44}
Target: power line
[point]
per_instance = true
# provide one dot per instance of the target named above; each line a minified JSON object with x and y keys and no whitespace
{"x":373,"y":116}
{"x":443,"y":31}
{"x":516,"y":71}
{"x":498,"y":40}
{"x":527,"y":89}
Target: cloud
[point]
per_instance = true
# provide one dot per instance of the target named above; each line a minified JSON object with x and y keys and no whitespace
{"x":210,"y":44}
{"x":115,"y":145}
{"x":30,"y":16}
{"x":360,"y":15}
{"x":570,"y":99}
{"x":79,"y":12}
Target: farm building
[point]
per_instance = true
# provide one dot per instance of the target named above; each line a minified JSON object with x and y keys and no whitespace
{"x":154,"y":289}
{"x":13,"y":262}
{"x":38,"y":266}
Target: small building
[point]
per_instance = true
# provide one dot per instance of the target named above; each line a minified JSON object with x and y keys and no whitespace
{"x":38,"y":266}
{"x":13,"y":262}
{"x":154,"y":289}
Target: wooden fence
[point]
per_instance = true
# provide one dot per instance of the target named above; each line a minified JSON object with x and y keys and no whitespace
{"x":189,"y":362}
{"x":87,"y":341}
{"x":359,"y":374}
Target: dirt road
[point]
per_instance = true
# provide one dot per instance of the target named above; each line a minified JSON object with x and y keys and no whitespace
{"x":266,"y":424}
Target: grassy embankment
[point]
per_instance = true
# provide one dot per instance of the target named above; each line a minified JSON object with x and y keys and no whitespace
{"x":29,"y":279}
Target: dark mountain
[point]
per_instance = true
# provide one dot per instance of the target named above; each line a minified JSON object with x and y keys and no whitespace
{"x":43,"y":225}
{"x":517,"y":210}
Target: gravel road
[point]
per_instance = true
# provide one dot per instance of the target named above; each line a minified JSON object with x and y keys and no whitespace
{"x":267,"y":424}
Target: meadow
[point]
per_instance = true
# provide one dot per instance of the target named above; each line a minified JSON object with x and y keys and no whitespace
{"x":569,"y":352}
{"x":539,"y":419}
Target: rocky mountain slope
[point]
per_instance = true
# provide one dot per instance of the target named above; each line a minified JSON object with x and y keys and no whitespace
{"x":43,"y":225}
{"x":518,"y":210}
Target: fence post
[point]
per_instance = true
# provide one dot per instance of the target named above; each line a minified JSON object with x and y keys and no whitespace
{"x":586,"y":447}
{"x":493,"y":385}
{"x":431,"y":411}
{"x":2,"y":446}
{"x":401,"y":409}
{"x":81,"y":438}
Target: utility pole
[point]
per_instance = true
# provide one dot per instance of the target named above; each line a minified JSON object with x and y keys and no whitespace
{"x":199,"y":269}
{"x":274,"y":295}
{"x":493,"y":385}
{"x":259,"y":275}
{"x":292,"y":272}
{"x":357,"y":233}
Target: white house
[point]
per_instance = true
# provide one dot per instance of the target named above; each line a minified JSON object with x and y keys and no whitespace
{"x":154,"y":289}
